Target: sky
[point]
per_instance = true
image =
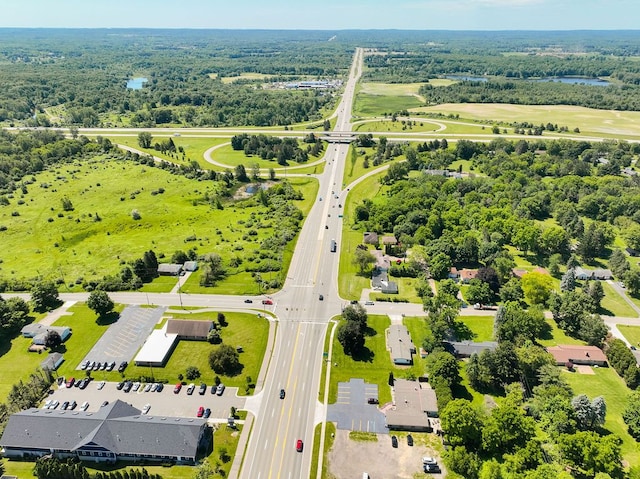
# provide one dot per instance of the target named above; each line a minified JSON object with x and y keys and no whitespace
{"x":326,"y":14}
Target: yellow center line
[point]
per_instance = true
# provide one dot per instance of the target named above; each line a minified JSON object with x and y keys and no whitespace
{"x":295,"y":348}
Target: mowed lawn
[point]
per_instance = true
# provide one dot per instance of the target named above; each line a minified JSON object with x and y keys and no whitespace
{"x":632,"y":333}
{"x":243,"y":329}
{"x":606,"y":382}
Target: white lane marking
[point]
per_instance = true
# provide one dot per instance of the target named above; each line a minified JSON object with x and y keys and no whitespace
{"x":266,"y":443}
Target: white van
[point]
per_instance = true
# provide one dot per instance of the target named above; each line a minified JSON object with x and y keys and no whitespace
{"x":365,"y":475}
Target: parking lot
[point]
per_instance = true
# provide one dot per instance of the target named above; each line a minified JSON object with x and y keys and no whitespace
{"x":164,"y":403}
{"x":122,"y":339}
{"x":352,"y":411}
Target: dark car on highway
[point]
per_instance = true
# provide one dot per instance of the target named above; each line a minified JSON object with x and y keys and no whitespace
{"x":282,"y":393}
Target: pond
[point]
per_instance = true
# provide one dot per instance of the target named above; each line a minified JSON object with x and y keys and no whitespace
{"x":136,"y":83}
{"x":465,"y":78}
{"x":577,"y":81}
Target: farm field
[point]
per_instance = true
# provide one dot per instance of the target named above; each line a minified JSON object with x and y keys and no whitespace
{"x":99,"y":234}
{"x":608,"y":123}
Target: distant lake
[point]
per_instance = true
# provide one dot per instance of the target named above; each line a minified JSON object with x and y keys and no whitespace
{"x":136,"y":83}
{"x":577,"y":81}
{"x":465,"y":78}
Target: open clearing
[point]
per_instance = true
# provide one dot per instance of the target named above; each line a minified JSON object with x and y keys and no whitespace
{"x":589,"y":120}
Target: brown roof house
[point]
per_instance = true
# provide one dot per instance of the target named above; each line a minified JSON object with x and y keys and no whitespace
{"x":586,"y":355}
{"x":189,"y":329}
{"x":414,"y":404}
{"x":370,"y":238}
{"x":467,"y":275}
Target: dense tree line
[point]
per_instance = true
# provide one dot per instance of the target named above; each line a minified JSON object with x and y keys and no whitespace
{"x":522,"y":92}
{"x":282,"y":150}
{"x":49,"y":467}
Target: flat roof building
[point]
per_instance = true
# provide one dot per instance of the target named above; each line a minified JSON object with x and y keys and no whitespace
{"x":400,"y":345}
{"x":414,"y":404}
{"x":156,"y":349}
{"x":189,"y":328}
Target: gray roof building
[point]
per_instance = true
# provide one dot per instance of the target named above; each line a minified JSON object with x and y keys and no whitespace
{"x":465,"y":349}
{"x":52,"y":362}
{"x":190,"y":265}
{"x":399,"y":344}
{"x":39,"y":331}
{"x":414,"y":404}
{"x":117,"y":431}
{"x":169,"y":269}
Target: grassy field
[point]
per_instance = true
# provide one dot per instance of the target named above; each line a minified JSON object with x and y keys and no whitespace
{"x":375,"y":99}
{"x":608,"y":384}
{"x":99,"y":234}
{"x":328,"y":444}
{"x":614,"y":305}
{"x":611,"y":123}
{"x":480,"y":326}
{"x":632,"y":333}
{"x":426,"y":126}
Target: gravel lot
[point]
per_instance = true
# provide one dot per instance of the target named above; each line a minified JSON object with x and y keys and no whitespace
{"x":349,"y":459}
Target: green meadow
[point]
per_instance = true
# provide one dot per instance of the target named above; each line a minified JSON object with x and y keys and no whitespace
{"x":100,"y":234}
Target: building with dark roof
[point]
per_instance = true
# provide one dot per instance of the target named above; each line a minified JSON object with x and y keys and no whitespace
{"x":52,"y":361}
{"x":117,"y":432}
{"x":169,"y":269}
{"x":466,"y":349}
{"x":189,"y":328}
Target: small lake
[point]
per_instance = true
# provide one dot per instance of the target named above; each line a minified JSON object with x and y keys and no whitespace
{"x":136,"y":83}
{"x":577,"y":81}
{"x":465,"y":78}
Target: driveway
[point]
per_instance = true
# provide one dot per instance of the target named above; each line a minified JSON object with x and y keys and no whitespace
{"x":122,"y":339}
{"x":352,"y":412}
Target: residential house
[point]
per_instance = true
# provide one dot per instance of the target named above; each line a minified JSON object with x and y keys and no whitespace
{"x":38,"y":332}
{"x":370,"y":238}
{"x":380,"y":282}
{"x":467,"y":275}
{"x":584,"y":274}
{"x":466,"y":349}
{"x":454,"y":274}
{"x":116,"y":432}
{"x":169,"y":269}
{"x":400,"y":345}
{"x":576,"y":354}
{"x":190,"y":266}
{"x":52,"y":362}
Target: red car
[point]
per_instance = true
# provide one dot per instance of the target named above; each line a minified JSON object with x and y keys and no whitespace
{"x":299,"y":445}
{"x":267,"y":301}
{"x":177,"y":389}
{"x":70,"y":382}
{"x":200,"y":411}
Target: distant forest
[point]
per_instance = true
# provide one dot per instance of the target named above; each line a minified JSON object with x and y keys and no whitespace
{"x":78,"y":77}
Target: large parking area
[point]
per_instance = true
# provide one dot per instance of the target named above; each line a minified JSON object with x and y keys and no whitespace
{"x":352,"y":410}
{"x":164,"y":403}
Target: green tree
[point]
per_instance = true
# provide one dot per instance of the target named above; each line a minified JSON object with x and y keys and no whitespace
{"x":67,"y":205}
{"x":351,"y":337}
{"x":462,"y":462}
{"x":568,"y":281}
{"x":632,"y":281}
{"x":145,"y":139}
{"x":440,"y":266}
{"x":462,"y":423}
{"x":443,"y":365}
{"x":508,"y":428}
{"x":212,"y":270}
{"x":537,"y":287}
{"x":363,"y":259}
{"x":479,"y":292}
{"x":44,"y":297}
{"x":588,"y":453}
{"x":192,"y":373}
{"x":512,"y":291}
{"x":225,"y":360}
{"x":52,"y":340}
{"x":100,"y":303}
{"x":518,"y":324}
{"x":241,"y":173}
{"x":14,"y":315}
{"x":631,"y":415}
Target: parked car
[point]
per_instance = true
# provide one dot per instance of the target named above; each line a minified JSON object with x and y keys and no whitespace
{"x":394,"y":441}
{"x":147,"y":388}
{"x":282,"y":394}
{"x":127,"y":386}
{"x":160,"y":387}
{"x":84,"y":406}
{"x":154,"y":387}
{"x":47,"y":404}
{"x":85,"y":364}
{"x":98,"y":366}
{"x":299,"y":445}
{"x":120,"y":385}
{"x":368,"y":303}
{"x":177,"y":389}
{"x":83,"y":383}
{"x":92,"y":366}
{"x":123,"y":366}
{"x":190,"y":389}
{"x":106,"y":403}
{"x":200,"y":411}
{"x":372,"y":400}
{"x":409,"y":440}
{"x":54,"y":404}
{"x":65,"y":405}
{"x":136,"y":386}
{"x":207,"y":413}
{"x":70,"y":382}
{"x":220,"y":389}
{"x":101,"y":385}
{"x":146,"y":408}
{"x":320,"y":297}
{"x":431,"y":468}
{"x":72,"y":405}
{"x":429,"y":460}
{"x":203,"y":389}
{"x":214,"y":389}
{"x":111,"y":365}
{"x":103,"y":366}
